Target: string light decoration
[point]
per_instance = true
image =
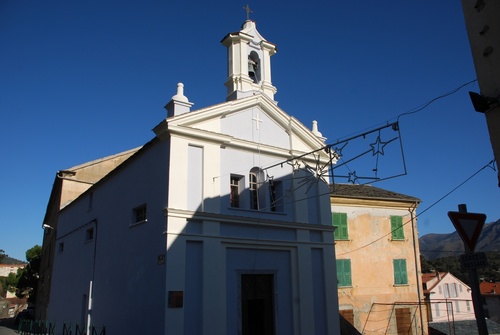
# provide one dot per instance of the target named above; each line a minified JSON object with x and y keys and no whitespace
{"x":375,"y":152}
{"x":368,"y":149}
{"x":332,"y":162}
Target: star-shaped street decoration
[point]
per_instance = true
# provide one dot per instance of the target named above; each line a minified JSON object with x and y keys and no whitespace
{"x":316,"y":173}
{"x":352,"y":177}
{"x":378,"y":146}
{"x":295,"y":165}
{"x":338,"y":151}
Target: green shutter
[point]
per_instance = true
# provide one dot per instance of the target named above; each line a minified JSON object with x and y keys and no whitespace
{"x":344,"y":272}
{"x":400,"y":273}
{"x":339,"y":220}
{"x":397,"y":230}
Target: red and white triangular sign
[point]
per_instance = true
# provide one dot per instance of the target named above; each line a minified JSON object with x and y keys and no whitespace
{"x":469,"y":226}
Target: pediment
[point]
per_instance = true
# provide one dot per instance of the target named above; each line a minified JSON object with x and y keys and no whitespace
{"x":255,"y":119}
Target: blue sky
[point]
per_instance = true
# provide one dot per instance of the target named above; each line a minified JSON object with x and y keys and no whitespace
{"x":82,"y":80}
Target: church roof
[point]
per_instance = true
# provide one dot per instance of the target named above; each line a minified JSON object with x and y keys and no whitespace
{"x":367,"y":192}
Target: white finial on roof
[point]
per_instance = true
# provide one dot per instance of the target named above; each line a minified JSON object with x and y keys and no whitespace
{"x":180,"y":93}
{"x":316,"y":132}
{"x":179,"y":104}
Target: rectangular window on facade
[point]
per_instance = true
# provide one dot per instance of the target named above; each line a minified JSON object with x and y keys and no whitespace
{"x":397,"y":231}
{"x":234,"y":191}
{"x":344,"y":277}
{"x":467,"y":304}
{"x":339,"y":220}
{"x":440,"y":289}
{"x":446,"y":291}
{"x":140,"y":214}
{"x":89,"y":234}
{"x":453,"y":290}
{"x":60,"y":247}
{"x":276,"y":195}
{"x":457,"y":306}
{"x":436,"y":306}
{"x":400,"y":273}
{"x":254,"y":196}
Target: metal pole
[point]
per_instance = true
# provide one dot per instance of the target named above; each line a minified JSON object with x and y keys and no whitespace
{"x":417,"y":268}
{"x":476,"y":292}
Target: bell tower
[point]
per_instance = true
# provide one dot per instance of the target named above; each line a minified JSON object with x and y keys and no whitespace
{"x":249,"y":63}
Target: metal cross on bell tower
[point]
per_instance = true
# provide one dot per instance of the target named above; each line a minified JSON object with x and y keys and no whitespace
{"x":248,"y":10}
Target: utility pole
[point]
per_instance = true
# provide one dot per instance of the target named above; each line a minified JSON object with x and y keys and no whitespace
{"x":469,"y":227}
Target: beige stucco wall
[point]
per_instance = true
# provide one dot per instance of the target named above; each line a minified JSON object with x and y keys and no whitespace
{"x":373,"y":297}
{"x":80,"y":178}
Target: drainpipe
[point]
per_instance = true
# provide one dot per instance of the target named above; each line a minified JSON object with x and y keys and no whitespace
{"x":90,"y":305}
{"x":417,"y":267}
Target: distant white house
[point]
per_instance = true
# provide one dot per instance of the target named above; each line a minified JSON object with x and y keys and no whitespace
{"x":6,"y":269}
{"x":447,"y":298}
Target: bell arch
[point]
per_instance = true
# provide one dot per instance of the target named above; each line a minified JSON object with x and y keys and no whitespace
{"x":254,"y":67}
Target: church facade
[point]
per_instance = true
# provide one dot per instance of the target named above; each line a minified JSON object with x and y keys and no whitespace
{"x":221,"y":224}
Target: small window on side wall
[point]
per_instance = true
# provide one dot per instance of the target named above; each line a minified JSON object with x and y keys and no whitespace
{"x":60,"y":247}
{"x":400,"y":272}
{"x":140,"y":214}
{"x":397,"y":230}
{"x":344,"y":275}
{"x":339,"y":220}
{"x":89,"y":234}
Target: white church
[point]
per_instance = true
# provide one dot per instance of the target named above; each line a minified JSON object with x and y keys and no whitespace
{"x":221,"y":224}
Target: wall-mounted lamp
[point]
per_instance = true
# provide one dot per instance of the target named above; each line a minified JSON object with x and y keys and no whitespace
{"x":482,"y":103}
{"x":46,"y":226}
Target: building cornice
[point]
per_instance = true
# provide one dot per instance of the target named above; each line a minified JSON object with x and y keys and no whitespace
{"x":366,"y":202}
{"x":202,"y":216}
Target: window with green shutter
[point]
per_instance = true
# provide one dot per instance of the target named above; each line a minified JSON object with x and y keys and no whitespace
{"x":397,"y":230}
{"x":339,"y":220}
{"x":400,"y":273}
{"x":344,"y":272}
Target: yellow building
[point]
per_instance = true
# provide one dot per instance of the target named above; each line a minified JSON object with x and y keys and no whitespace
{"x":378,"y":264}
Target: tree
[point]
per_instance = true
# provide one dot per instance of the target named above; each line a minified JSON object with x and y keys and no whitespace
{"x":425,"y":265}
{"x":28,"y":277}
{"x":2,"y":255}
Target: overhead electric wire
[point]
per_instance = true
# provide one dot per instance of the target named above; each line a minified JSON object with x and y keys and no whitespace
{"x":425,"y":210}
{"x":418,"y":109}
{"x":413,"y":111}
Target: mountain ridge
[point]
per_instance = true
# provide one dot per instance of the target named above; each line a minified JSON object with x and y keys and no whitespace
{"x":434,"y":246}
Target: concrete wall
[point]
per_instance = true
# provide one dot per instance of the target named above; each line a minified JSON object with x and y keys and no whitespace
{"x":124,"y":260}
{"x":483,"y":30}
